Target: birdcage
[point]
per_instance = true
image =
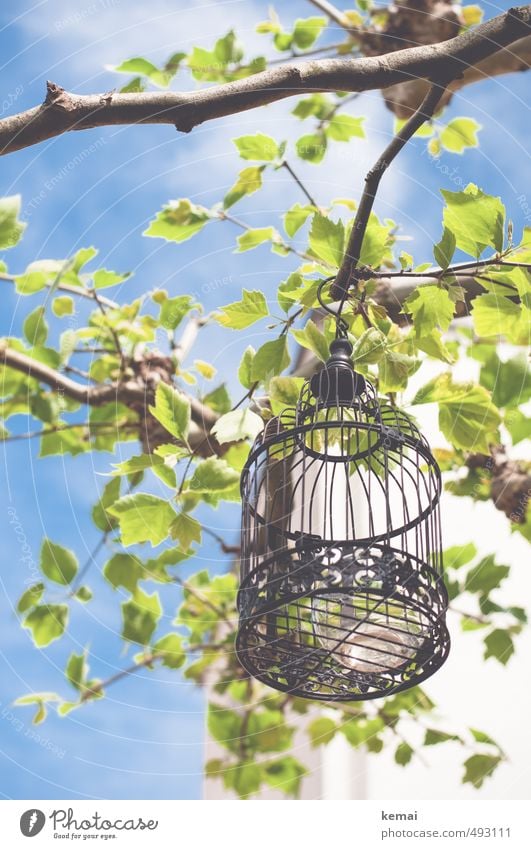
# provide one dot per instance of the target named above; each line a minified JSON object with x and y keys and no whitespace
{"x":341,"y":595}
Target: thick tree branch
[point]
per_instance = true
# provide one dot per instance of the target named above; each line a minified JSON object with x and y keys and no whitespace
{"x":352,"y":255}
{"x":127,"y":392}
{"x":63,"y":111}
{"x":405,"y":98}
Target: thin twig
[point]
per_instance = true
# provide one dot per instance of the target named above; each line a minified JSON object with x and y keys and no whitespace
{"x":327,"y":48}
{"x":73,"y":370}
{"x":112,"y":331}
{"x":90,"y":692}
{"x":225,"y":547}
{"x":300,"y":184}
{"x":203,"y":599}
{"x":437,"y":273}
{"x":65,"y":287}
{"x":335,"y":15}
{"x":101,"y":426}
{"x":225,"y":216}
{"x":352,"y":254}
{"x":76,"y":583}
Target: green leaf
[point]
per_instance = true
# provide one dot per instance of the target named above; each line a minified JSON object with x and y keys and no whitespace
{"x":173,"y":310}
{"x":133,"y":86}
{"x":316,"y":104}
{"x":172,"y":410}
{"x":499,"y":644}
{"x":481,"y":737}
{"x":394,"y":370}
{"x":178,"y":221}
{"x":224,"y":725}
{"x":251,"y":239}
{"x":139,"y":463}
{"x":290,"y":290}
{"x":35,"y":327}
{"x":237,"y":425}
{"x":245,"y":368}
{"x":362,"y":731}
{"x":284,"y":392}
{"x":327,"y":239}
{"x":433,"y":737}
{"x":321,"y":731}
{"x":248,"y":182}
{"x":170,"y":649}
{"x":285,"y":774}
{"x":467,"y":416}
{"x":11,"y":228}
{"x":241,"y":314}
{"x":406,"y":260}
{"x":143,"y":518}
{"x":104,"y":278}
{"x":342,"y":128}
{"x":213,"y":475}
{"x":259,"y":147}
{"x":77,"y":670}
{"x":140,"y":616}
{"x":63,"y":305}
{"x":431,"y":307}
{"x":370,"y":347}
{"x":459,"y":134}
{"x":403,"y":754}
{"x":375,"y":243}
{"x":83,"y":594}
{"x":312,"y":338}
{"x":476,"y":219}
{"x":472,"y":15}
{"x":444,"y":250}
{"x":123,"y":570}
{"x":58,"y":563}
{"x":295,"y":217}
{"x":138,"y":65}
{"x":486,"y":576}
{"x":518,"y":425}
{"x":478,"y":768}
{"x":509,"y":381}
{"x":495,"y":315}
{"x":244,"y":778}
{"x":47,"y":623}
{"x":270,"y":359}
{"x":433,"y":345}
{"x":307,"y":30}
{"x":30,"y":597}
{"x":218,"y":400}
{"x":312,"y":147}
{"x":101,"y":518}
{"x":186,"y":529}
{"x":459,"y":555}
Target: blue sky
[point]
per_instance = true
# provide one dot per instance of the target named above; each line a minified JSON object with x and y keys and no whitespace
{"x":146,"y":739}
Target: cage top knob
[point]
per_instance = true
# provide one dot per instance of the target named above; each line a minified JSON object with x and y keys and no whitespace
{"x":337,"y":382}
{"x":340,"y":352}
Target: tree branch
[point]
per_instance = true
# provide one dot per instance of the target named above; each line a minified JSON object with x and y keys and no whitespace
{"x":63,"y":111}
{"x":335,"y":14}
{"x":403,"y":99}
{"x":127,"y":392}
{"x":66,"y":287}
{"x":352,"y":254}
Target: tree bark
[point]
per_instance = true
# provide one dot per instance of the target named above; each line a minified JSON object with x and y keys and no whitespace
{"x":63,"y":111}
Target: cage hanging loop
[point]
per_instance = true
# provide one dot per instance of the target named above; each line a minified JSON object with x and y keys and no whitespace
{"x":341,"y":324}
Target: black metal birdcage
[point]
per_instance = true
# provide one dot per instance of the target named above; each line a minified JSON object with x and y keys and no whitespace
{"x":342,"y":595}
